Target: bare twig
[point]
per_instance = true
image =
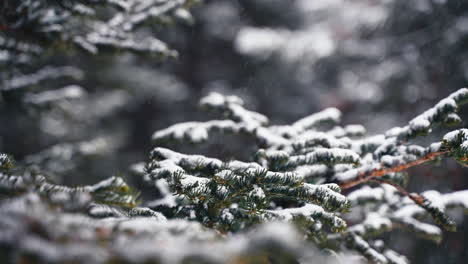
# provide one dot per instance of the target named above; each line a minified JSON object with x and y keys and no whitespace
{"x":366,"y":176}
{"x":417,"y":198}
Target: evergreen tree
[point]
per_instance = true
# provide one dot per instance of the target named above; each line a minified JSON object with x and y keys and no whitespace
{"x":313,"y":191}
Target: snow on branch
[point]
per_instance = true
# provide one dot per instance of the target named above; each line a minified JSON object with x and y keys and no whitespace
{"x":139,"y":235}
{"x":117,"y":32}
{"x":112,"y":191}
{"x":46,"y":73}
{"x":305,"y":167}
{"x":444,"y":112}
{"x":394,"y":210}
{"x":35,"y":34}
{"x":238,"y":188}
{"x":195,"y":203}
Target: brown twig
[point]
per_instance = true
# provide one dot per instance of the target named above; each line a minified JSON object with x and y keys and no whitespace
{"x":366,"y":176}
{"x":417,"y":198}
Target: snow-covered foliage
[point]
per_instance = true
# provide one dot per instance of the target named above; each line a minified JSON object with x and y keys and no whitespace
{"x":115,"y":30}
{"x":297,"y":173}
{"x":312,"y":191}
{"x":31,"y":29}
{"x":41,"y":232}
{"x":285,"y":204}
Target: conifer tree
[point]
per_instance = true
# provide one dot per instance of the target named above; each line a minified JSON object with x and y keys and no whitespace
{"x":313,"y":191}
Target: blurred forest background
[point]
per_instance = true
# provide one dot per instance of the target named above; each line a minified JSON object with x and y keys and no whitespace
{"x":380,"y":62}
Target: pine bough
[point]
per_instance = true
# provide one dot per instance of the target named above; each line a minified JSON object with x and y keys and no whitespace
{"x":285,"y":205}
{"x":34,"y":33}
{"x":207,"y":210}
